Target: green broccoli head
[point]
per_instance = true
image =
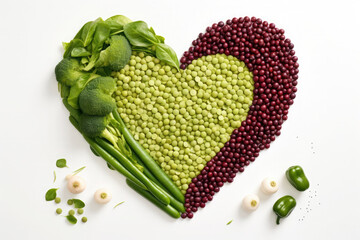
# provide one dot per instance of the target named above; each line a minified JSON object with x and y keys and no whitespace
{"x":68,"y":71}
{"x":117,"y":55}
{"x":92,"y":126}
{"x":96,"y":98}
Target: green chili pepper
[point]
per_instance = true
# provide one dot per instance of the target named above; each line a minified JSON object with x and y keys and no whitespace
{"x":297,"y":178}
{"x":283,"y":207}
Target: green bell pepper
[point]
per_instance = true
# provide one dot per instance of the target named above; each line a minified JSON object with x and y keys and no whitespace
{"x":283,"y":207}
{"x":297,"y":178}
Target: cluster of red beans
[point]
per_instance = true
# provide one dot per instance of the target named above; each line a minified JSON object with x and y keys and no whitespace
{"x":271,"y":58}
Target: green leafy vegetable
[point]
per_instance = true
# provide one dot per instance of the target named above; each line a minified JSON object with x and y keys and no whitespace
{"x":167,"y":54}
{"x":117,"y":23}
{"x":119,"y":204}
{"x":88,"y":32}
{"x":71,"y":219}
{"x":61,"y":163}
{"x":160,"y":38}
{"x":80,"y":52}
{"x":78,"y":203}
{"x":51,"y":194}
{"x":139,"y":35}
{"x":101,"y":34}
{"x":68,"y":47}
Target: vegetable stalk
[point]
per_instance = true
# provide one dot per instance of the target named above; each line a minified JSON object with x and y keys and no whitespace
{"x":147,"y":159}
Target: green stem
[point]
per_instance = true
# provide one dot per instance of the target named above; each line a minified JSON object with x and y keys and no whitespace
{"x":134,"y":170}
{"x":168,"y":209}
{"x":147,"y":159}
{"x":278,"y":220}
{"x":173,"y":202}
{"x":107,"y":157}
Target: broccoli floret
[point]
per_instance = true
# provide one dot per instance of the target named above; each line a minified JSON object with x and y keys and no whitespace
{"x":68,"y":71}
{"x":98,"y":126}
{"x":117,"y":55}
{"x":96,"y":98}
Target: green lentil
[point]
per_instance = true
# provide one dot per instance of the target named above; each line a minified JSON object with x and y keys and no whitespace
{"x":183,"y":118}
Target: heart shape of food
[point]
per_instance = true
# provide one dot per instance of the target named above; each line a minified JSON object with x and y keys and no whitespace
{"x":179,"y":134}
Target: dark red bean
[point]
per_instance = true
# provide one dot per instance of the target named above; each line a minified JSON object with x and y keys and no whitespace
{"x":271,"y":58}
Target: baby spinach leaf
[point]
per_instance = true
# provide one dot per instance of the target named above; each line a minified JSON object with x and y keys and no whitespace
{"x":51,"y":194}
{"x":75,"y":43}
{"x":76,"y":89}
{"x":78,"y":203}
{"x":71,"y":219}
{"x":61,"y":163}
{"x":101,"y":34}
{"x":80,"y":52}
{"x":139,"y":35}
{"x":160,"y":38}
{"x":167,"y":55}
{"x":117,"y":23}
{"x":88,"y":31}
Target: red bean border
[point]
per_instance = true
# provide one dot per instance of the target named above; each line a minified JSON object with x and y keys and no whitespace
{"x":271,"y":58}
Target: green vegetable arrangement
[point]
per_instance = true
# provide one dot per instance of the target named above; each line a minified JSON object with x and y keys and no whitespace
{"x":86,"y":87}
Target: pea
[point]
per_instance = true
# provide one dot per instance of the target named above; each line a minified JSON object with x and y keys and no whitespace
{"x":58,"y":210}
{"x":84,"y":219}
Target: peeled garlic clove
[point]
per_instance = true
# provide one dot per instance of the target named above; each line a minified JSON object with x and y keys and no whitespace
{"x":251,"y":202}
{"x":269,"y":185}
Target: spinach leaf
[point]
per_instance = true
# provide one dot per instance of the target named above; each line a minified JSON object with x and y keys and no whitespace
{"x":117,"y":23}
{"x":101,"y":34}
{"x":167,"y":55}
{"x":51,"y":194}
{"x":78,"y":203}
{"x":75,"y":43}
{"x":80,"y":52}
{"x":149,"y":51}
{"x":88,"y":31}
{"x":76,"y":89}
{"x":139,"y":34}
{"x":71,"y":219}
{"x":61,"y":163}
{"x":160,"y":38}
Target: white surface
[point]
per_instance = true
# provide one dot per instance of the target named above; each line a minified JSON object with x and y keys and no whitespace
{"x":322,"y":133}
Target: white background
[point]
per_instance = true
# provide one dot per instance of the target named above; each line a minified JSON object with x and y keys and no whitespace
{"x":322,"y":133}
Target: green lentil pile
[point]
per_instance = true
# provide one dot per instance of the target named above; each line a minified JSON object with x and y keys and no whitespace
{"x":183,"y":118}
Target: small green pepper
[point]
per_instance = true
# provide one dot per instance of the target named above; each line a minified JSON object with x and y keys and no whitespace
{"x":283,"y":207}
{"x":297,"y":178}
